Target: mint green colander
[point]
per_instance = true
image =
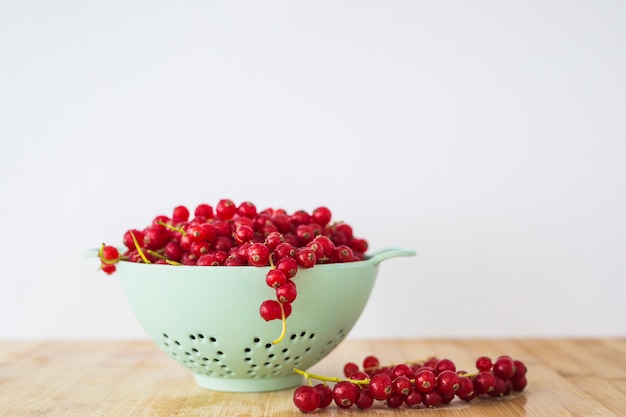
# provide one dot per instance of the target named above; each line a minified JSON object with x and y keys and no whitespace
{"x":207,"y":318}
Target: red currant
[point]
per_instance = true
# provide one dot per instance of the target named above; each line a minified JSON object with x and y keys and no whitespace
{"x":225,"y":209}
{"x":306,"y":398}
{"x":345,"y":394}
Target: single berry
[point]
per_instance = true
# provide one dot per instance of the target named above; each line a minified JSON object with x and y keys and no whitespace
{"x":504,"y":368}
{"x":466,"y":389}
{"x":225,"y":209}
{"x":204,"y":210}
{"x":350,"y":368}
{"x":288,"y":266}
{"x":370,"y":362}
{"x":270,"y":310}
{"x":258,"y":254}
{"x":275,"y":278}
{"x":287,"y":292}
{"x":425,"y":380}
{"x":306,"y":398}
{"x":326,"y":395}
{"x":345,"y":394}
{"x":365,"y":399}
{"x":447,"y":382}
{"x":321,"y":215}
{"x":381,"y":386}
{"x":483,"y":363}
{"x":484,"y":382}
{"x":181,"y":214}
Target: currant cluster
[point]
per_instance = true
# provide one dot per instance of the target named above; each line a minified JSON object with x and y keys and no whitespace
{"x":430,"y":383}
{"x":240,"y":235}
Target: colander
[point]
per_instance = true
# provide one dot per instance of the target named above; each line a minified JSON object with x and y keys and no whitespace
{"x":207,"y":318}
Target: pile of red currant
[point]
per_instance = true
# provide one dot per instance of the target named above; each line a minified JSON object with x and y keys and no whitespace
{"x":430,"y":383}
{"x":240,"y":235}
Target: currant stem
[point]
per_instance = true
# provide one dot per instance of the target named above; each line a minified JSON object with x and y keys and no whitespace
{"x":143,"y":256}
{"x":170,"y":227}
{"x":158,"y":255}
{"x":310,"y":376}
{"x":284,"y":330}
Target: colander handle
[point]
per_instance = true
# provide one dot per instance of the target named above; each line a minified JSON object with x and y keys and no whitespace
{"x":381,"y":255}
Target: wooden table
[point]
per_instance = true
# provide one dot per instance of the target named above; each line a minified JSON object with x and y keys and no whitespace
{"x":567,"y":377}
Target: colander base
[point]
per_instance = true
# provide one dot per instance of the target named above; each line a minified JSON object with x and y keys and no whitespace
{"x":247,"y":384}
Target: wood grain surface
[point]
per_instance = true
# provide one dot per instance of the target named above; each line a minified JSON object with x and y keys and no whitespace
{"x":567,"y":377}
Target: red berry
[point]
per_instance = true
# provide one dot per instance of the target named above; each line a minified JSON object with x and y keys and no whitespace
{"x":444,"y":365}
{"x":128,"y":239}
{"x":273,"y":239}
{"x":247,"y":209}
{"x":519,"y":383}
{"x":204,"y":210}
{"x":349,"y":369}
{"x":270,"y":310}
{"x":207,"y":259}
{"x":196,"y":233}
{"x":306,"y":257}
{"x":258,"y":254}
{"x":483,"y":363}
{"x":199,"y":248}
{"x":370,"y":362}
{"x":108,"y":268}
{"x":394,"y":400}
{"x":288,"y":266}
{"x":432,"y":399}
{"x":345,"y":394}
{"x":321,"y":215}
{"x":401,"y":385}
{"x":365,"y":399}
{"x":425,"y":380}
{"x":300,"y":217}
{"x":414,"y":399}
{"x":484,"y":382}
{"x":110,"y":254}
{"x":343,"y":253}
{"x":466,"y":389}
{"x":504,"y":368}
{"x":284,"y":250}
{"x":326,"y":395}
{"x":225,"y":209}
{"x":181,"y":214}
{"x":447,"y":382}
{"x":243,"y":234}
{"x":306,"y":398}
{"x":287,"y":292}
{"x":381,"y":386}
{"x":402,"y":369}
{"x":275,"y":278}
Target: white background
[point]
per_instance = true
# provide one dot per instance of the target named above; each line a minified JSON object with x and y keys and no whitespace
{"x":489,"y":136}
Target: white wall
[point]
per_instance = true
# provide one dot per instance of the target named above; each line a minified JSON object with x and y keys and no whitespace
{"x":488,"y":136}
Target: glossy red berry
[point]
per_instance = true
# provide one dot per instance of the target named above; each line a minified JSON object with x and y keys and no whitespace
{"x":204,"y":210}
{"x":270,"y":310}
{"x":425,"y":380}
{"x":321,"y":215}
{"x":371,"y":362}
{"x":180,"y":214}
{"x":288,"y":266}
{"x":326,"y":395}
{"x":287,"y":292}
{"x":258,"y":254}
{"x":381,"y":386}
{"x":483,"y":363}
{"x":306,"y":398}
{"x":225,"y":209}
{"x":275,"y":278}
{"x":345,"y":394}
